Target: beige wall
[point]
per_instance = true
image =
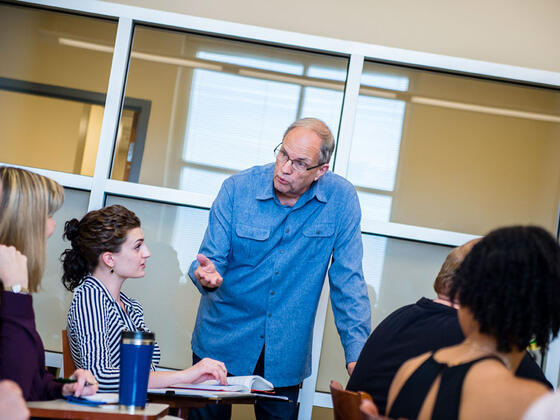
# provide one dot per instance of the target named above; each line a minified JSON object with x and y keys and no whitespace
{"x":39,"y":131}
{"x":515,"y":32}
{"x":471,"y":171}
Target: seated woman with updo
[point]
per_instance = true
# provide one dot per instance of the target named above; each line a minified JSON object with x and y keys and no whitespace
{"x":508,"y":288}
{"x":107,"y":248}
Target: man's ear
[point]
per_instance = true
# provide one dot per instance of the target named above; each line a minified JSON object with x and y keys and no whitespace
{"x":322,"y":171}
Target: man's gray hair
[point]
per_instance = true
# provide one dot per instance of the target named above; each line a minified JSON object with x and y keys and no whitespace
{"x":324,"y":133}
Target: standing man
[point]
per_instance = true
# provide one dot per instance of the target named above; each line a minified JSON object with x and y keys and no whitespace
{"x":272,"y":232}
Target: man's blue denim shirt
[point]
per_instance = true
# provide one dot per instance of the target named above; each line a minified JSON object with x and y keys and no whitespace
{"x":273,"y":260}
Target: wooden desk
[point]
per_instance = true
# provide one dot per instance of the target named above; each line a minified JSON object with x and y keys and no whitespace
{"x":61,"y":409}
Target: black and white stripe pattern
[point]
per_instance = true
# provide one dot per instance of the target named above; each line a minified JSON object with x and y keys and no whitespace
{"x":95,"y":322}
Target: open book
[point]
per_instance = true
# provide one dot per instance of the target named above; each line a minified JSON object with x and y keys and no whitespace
{"x":235,"y":384}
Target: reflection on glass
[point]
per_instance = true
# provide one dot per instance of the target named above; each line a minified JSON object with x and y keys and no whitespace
{"x":398,"y":272}
{"x":170,"y":300}
{"x":53,"y":300}
{"x":51,"y":92}
{"x":455,"y":153}
{"x":220,"y":106}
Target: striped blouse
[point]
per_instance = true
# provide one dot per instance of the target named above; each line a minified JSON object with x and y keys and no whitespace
{"x":95,"y":322}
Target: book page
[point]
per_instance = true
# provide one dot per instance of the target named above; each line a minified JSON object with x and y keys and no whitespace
{"x":235,"y":383}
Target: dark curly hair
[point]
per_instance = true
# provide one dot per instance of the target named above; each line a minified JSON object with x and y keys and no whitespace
{"x":99,"y":231}
{"x":510,"y":281}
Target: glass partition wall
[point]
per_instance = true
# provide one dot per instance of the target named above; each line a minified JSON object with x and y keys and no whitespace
{"x":154,"y":111}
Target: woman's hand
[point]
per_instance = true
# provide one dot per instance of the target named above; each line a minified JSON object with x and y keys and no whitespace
{"x":79,"y":388}
{"x":13,"y":267}
{"x":206,"y":369}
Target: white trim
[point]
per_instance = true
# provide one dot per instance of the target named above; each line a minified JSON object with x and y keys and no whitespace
{"x":552,"y":363}
{"x":163,"y":194}
{"x":423,"y":234}
{"x":314,"y":42}
{"x":113,"y":103}
{"x":53,"y":359}
{"x":306,"y":395}
{"x":348,"y":118}
{"x":373,"y":227}
{"x":65,"y":179}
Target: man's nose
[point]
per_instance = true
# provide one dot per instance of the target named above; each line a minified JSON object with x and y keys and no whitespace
{"x":287,"y":166}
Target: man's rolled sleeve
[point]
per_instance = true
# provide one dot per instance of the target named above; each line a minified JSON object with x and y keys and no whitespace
{"x":349,"y":297}
{"x":217,"y":238}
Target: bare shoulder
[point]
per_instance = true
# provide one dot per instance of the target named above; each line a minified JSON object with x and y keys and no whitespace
{"x":491,"y":391}
{"x":404,"y":372}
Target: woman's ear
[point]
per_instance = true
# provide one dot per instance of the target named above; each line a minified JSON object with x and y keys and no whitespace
{"x":107,"y":259}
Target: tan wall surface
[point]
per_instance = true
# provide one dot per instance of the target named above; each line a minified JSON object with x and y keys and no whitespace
{"x":471,"y":171}
{"x":48,"y":130}
{"x":512,"y":32}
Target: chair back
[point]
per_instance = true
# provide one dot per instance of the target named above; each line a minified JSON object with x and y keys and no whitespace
{"x":346,"y":404}
{"x":67,"y":361}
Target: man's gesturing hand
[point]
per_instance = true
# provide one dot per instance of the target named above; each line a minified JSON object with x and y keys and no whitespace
{"x":206,"y":273}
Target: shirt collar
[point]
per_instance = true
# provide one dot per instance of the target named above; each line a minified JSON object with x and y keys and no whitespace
{"x":265,"y":189}
{"x":97,"y":283}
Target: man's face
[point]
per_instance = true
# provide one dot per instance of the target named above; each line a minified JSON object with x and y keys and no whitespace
{"x":299,"y":144}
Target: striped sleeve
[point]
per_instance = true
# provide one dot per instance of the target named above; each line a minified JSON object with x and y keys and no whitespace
{"x":95,"y":337}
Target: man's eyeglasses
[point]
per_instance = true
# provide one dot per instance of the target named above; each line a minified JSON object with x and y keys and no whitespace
{"x":298,"y":165}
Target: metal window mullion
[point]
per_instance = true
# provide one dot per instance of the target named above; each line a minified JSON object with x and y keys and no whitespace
{"x":351,"y":92}
{"x":111,"y":114}
{"x":76,"y":181}
{"x":349,"y":105}
{"x":159,"y":194}
{"x":307,"y":393}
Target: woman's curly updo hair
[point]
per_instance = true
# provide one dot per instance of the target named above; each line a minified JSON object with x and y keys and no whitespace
{"x":510,"y":281}
{"x":99,"y":231}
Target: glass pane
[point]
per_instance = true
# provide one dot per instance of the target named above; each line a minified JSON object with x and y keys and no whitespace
{"x":53,"y":81}
{"x":220,"y":106}
{"x":170,"y":300}
{"x":398,"y":272}
{"x":52,"y":301}
{"x":455,"y":153}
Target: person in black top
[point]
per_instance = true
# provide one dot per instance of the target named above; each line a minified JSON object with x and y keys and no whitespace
{"x":508,"y":288}
{"x":424,"y":326}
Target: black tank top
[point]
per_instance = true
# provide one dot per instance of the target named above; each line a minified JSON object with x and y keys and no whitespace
{"x":413,"y":393}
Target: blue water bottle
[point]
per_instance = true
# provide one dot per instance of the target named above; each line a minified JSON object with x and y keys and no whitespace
{"x":136,"y":357}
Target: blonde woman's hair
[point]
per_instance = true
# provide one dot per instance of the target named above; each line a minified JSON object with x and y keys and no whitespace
{"x":26,"y":199}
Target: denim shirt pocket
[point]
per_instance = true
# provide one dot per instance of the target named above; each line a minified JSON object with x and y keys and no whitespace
{"x":248,"y":248}
{"x":319,"y":240}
